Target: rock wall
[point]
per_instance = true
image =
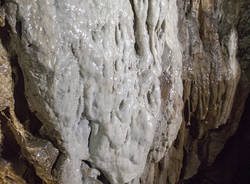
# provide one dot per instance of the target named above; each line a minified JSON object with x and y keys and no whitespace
{"x":130,"y":91}
{"x":213,"y":99}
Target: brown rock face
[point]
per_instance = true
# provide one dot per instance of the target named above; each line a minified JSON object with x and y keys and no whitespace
{"x":210,"y":76}
{"x":15,"y":138}
{"x":7,"y":175}
{"x":216,"y":86}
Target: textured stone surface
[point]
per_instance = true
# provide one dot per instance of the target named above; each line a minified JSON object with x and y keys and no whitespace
{"x":7,"y":175}
{"x":100,"y":90}
{"x":208,"y":31}
{"x":232,"y":164}
{"x":40,"y":153}
{"x":5,"y":80}
{"x":211,"y":73}
{"x":92,"y":75}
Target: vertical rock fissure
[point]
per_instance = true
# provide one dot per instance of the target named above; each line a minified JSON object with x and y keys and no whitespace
{"x":134,"y":26}
{"x":23,"y":123}
{"x":232,"y":164}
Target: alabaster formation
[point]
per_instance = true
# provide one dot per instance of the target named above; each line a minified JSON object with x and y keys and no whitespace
{"x":130,"y":91}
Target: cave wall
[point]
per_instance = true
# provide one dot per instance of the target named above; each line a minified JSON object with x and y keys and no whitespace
{"x":216,"y":86}
{"x":131,"y":91}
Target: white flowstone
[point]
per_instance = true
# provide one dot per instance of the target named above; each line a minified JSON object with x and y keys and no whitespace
{"x":91,"y":70}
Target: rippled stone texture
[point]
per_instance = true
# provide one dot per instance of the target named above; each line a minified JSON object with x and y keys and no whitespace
{"x":92,"y":74}
{"x":102,"y":88}
{"x":208,"y":31}
{"x":211,"y":74}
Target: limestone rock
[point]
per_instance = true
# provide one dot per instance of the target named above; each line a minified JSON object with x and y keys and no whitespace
{"x":92,"y":75}
{"x":39,"y":152}
{"x":211,"y":73}
{"x":129,"y":91}
{"x":214,"y":93}
{"x":7,"y":175}
{"x":5,"y":80}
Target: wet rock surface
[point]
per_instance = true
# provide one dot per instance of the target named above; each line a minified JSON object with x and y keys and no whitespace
{"x":38,"y":152}
{"x":119,"y":92}
{"x":7,"y":175}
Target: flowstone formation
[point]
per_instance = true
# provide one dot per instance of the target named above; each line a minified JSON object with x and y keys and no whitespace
{"x":93,"y":73}
{"x":129,"y":91}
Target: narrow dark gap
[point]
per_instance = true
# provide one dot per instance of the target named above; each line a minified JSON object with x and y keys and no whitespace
{"x":87,"y":162}
{"x":25,"y":116}
{"x":134,"y":27}
{"x":103,"y":179}
{"x":90,"y":134}
{"x":30,"y":175}
{"x":5,"y":35}
{"x":11,"y":152}
{"x":2,"y":2}
{"x":232,"y":166}
{"x":23,"y":113}
{"x":19,"y":29}
{"x":10,"y":147}
{"x":57,"y":163}
{"x":186,"y":112}
{"x":184,"y":163}
{"x":194,"y":127}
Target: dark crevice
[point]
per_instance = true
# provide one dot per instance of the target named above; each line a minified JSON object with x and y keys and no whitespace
{"x":11,"y":152}
{"x":90,"y":134}
{"x":232,"y":165}
{"x":103,"y":179}
{"x":10,"y":147}
{"x":2,"y":2}
{"x":186,"y":112}
{"x":57,"y":163}
{"x":19,"y":29}
{"x":134,"y":27}
{"x":22,"y":111}
{"x":30,"y":175}
{"x":88,"y":163}
{"x":148,"y":28}
{"x":29,"y":120}
{"x":194,"y":127}
{"x":149,"y":98}
{"x":5,"y":35}
{"x":184,"y":163}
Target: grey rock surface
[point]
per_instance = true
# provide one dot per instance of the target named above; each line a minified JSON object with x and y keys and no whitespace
{"x":92,"y":76}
